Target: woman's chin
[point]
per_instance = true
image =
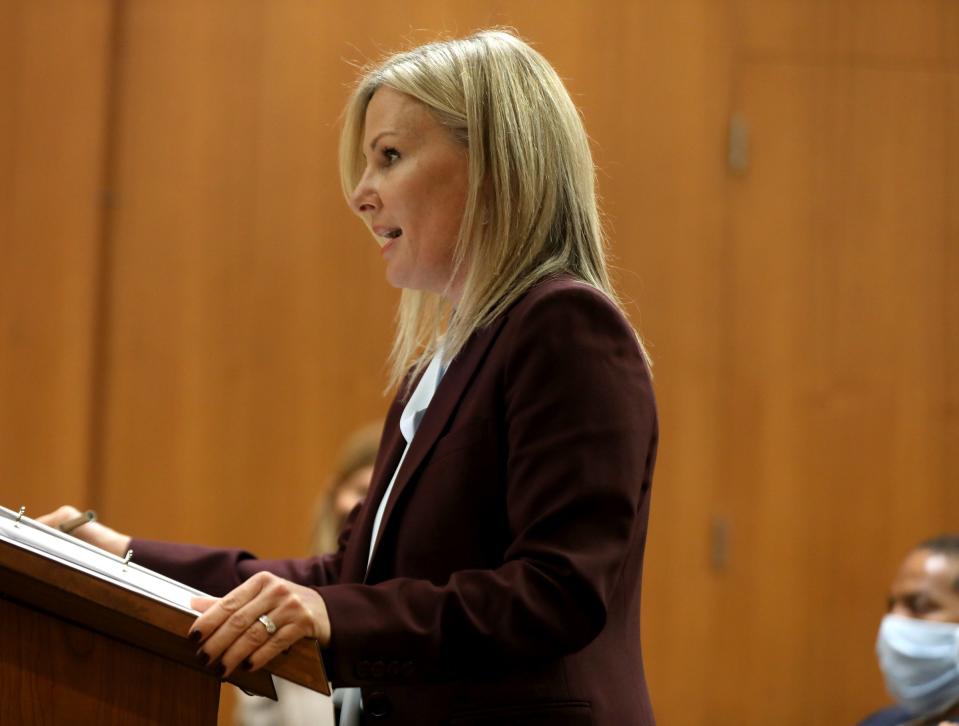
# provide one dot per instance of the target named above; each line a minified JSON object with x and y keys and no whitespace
{"x":397,"y":281}
{"x":401,"y":278}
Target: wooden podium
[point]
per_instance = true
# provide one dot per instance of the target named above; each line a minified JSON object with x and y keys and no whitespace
{"x":78,"y":649}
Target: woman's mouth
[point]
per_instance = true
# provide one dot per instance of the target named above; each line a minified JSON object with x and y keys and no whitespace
{"x":387,"y":234}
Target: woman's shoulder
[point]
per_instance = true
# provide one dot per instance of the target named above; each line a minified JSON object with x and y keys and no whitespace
{"x":565,"y":291}
{"x":563,"y":314}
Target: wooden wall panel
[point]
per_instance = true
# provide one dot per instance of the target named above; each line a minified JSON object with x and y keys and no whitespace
{"x":230,"y":344}
{"x":659,"y":144}
{"x":53,"y":92}
{"x":835,"y":421}
{"x":951,"y":271}
{"x":911,"y":32}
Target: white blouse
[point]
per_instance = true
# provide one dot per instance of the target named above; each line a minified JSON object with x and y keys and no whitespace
{"x":409,"y":423}
{"x":348,"y":699}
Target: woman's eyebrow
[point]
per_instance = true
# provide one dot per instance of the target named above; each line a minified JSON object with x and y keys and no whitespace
{"x":380,"y":135}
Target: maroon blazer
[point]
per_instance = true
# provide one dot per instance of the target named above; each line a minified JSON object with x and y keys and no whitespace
{"x":505,"y":585}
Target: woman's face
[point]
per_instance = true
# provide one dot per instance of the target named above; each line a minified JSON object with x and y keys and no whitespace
{"x":413,"y":191}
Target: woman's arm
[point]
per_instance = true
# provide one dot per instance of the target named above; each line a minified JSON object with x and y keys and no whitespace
{"x":217,"y":570}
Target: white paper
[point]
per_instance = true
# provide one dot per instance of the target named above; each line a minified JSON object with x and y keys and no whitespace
{"x":53,"y":544}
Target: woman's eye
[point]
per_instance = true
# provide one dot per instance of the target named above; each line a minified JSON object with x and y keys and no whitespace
{"x":390,"y":154}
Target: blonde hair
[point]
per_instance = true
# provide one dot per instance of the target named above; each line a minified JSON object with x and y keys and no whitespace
{"x":531,"y":207}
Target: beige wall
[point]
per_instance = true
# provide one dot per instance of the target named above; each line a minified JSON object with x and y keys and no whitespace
{"x":191,"y":321}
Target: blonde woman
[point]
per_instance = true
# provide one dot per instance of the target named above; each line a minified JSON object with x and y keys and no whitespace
{"x":492,"y":575}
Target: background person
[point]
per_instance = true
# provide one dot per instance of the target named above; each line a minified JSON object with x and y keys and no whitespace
{"x":918,"y":644}
{"x":493,"y":574}
{"x":348,"y":486}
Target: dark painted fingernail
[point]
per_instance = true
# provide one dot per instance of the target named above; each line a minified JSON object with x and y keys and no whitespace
{"x":202,"y":657}
{"x":246,"y":665}
{"x":220,"y":670}
{"x":196,"y":636}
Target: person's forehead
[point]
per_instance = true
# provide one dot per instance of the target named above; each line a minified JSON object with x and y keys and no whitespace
{"x":391,"y":110}
{"x":923,"y":569}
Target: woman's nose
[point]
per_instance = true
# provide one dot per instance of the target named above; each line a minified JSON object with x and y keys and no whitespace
{"x":364,"y":198}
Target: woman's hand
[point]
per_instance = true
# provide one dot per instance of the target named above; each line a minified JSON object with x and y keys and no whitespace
{"x":93,"y":532}
{"x":232,"y":633}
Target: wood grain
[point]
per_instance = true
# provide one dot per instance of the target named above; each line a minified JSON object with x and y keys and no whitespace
{"x":53,"y":73}
{"x":52,"y":672}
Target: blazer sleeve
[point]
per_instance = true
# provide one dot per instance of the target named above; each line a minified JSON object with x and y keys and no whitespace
{"x":580,"y":427}
{"x":216,"y":571}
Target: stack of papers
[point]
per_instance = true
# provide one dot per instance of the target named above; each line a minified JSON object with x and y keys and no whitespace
{"x":28,"y":534}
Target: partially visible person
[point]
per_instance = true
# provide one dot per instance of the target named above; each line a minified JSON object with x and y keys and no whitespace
{"x":348,"y":487}
{"x":918,"y":644}
{"x":295,"y":705}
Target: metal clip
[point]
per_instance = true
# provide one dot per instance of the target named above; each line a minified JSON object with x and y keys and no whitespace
{"x":126,"y":560}
{"x":16,"y":522}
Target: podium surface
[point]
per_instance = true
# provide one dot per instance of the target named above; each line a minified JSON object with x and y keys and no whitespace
{"x":78,"y":648}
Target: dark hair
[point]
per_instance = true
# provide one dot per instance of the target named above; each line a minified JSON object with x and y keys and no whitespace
{"x":944,"y":544}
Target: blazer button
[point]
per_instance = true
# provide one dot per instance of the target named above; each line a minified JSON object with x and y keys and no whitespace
{"x":378,"y":670}
{"x":363,"y":669}
{"x":377,"y":704}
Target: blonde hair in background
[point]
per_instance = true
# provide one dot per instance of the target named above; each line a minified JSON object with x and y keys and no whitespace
{"x":531,"y":207}
{"x":357,"y":453}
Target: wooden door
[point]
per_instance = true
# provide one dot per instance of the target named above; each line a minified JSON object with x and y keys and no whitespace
{"x":838,"y":425}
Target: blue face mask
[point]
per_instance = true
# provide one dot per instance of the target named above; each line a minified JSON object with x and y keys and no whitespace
{"x":920,"y":661}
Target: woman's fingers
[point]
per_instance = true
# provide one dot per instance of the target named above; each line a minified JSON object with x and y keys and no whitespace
{"x":231,"y":630}
{"x":242,"y":634}
{"x":202,"y":604}
{"x":224,"y":619}
{"x":94,"y":532}
{"x":59,"y":516}
{"x":256,"y":646}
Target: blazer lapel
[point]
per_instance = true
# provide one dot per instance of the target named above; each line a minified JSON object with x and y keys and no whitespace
{"x":451,"y":389}
{"x":388,"y":456}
